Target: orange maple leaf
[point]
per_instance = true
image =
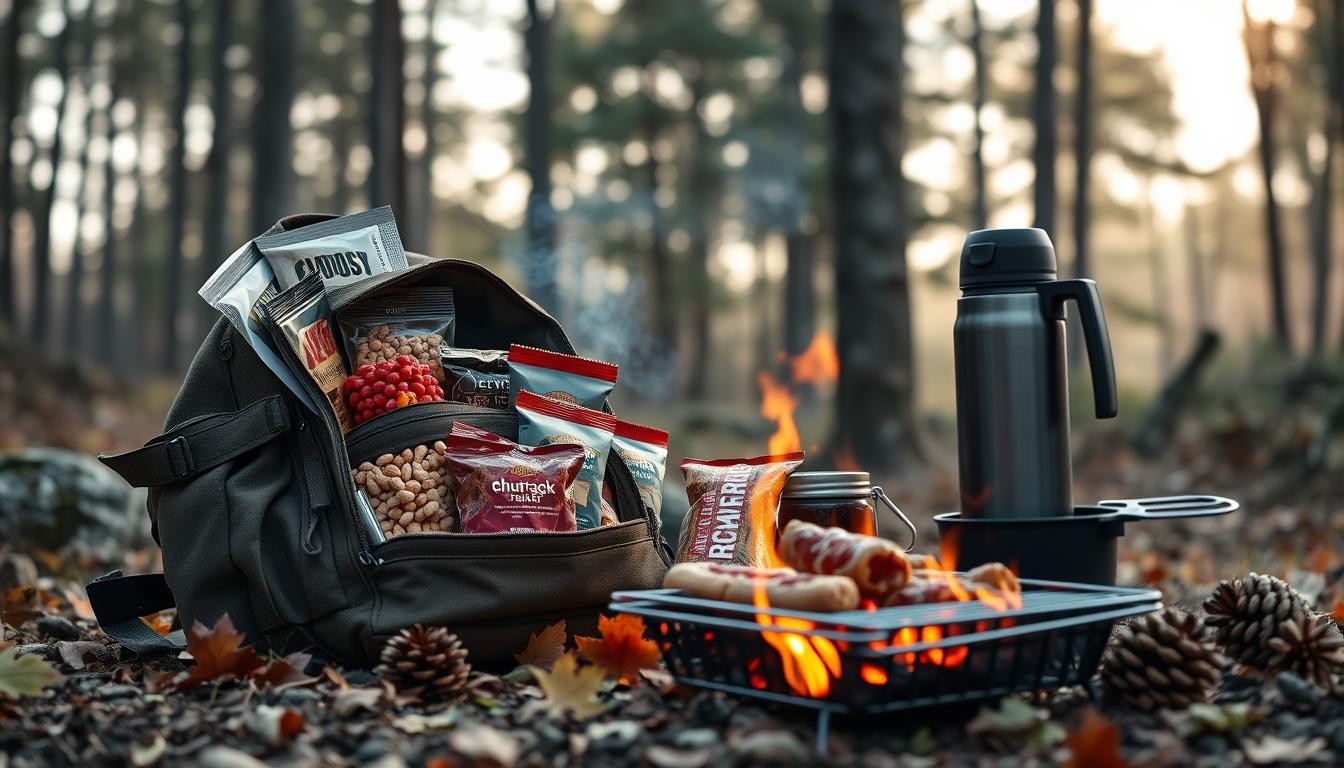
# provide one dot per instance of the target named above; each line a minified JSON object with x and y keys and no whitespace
{"x":287,"y":671}
{"x":544,"y":647}
{"x":159,"y":623}
{"x":1094,"y":743}
{"x":622,"y":650}
{"x":219,"y":653}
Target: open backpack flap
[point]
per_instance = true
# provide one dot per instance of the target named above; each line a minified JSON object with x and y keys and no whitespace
{"x":253,"y":505}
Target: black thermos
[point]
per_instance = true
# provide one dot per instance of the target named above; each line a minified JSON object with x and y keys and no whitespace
{"x":1012,"y":375}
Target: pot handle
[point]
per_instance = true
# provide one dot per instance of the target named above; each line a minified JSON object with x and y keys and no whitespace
{"x":882,"y":496}
{"x":1170,"y":507}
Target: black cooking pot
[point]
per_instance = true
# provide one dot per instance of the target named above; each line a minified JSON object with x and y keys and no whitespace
{"x":1079,"y":548}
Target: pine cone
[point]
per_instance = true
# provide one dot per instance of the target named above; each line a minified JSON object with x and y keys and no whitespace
{"x":1311,"y":647}
{"x":426,"y":662}
{"x":1247,"y":612}
{"x":1162,"y":660}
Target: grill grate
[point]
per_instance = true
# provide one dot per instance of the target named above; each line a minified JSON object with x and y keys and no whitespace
{"x":898,"y":658}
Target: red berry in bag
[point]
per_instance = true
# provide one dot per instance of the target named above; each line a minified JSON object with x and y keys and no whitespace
{"x":391,"y":384}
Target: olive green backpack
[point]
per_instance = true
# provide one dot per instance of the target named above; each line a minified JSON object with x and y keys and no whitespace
{"x":252,"y":504}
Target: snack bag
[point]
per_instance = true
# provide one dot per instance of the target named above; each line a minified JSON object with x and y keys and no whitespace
{"x":304,"y":315}
{"x":478,"y":377}
{"x":561,"y":377}
{"x":734,"y":503}
{"x":505,"y":487}
{"x":343,"y":251}
{"x":417,"y":321}
{"x":543,"y":421}
{"x":645,"y":452}
{"x":238,"y":289}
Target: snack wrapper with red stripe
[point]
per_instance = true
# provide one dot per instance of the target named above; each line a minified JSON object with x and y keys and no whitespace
{"x":546,"y":421}
{"x":734,"y":505}
{"x":644,"y":450}
{"x":558,"y":376}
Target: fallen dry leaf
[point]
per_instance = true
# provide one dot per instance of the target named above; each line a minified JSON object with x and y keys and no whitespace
{"x":276,"y":726}
{"x":485,"y":746}
{"x":79,"y":603}
{"x":22,"y":604}
{"x":544,"y":647}
{"x":159,"y":622}
{"x":285,"y":672}
{"x":1094,"y":743}
{"x":148,"y":754}
{"x":570,"y":688}
{"x":334,"y":676}
{"x":418,"y":723}
{"x":24,"y":675}
{"x":351,"y":700}
{"x":622,"y":651}
{"x":219,"y":653}
{"x":75,"y":652}
{"x":1271,"y":750}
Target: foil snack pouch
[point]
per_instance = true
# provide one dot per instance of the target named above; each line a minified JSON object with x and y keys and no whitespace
{"x":561,"y":377}
{"x":545,"y":421}
{"x":478,"y":377}
{"x":238,"y":289}
{"x":734,"y":505}
{"x":503,"y":487}
{"x":644,"y":450}
{"x":303,"y":314}
{"x":342,"y":251}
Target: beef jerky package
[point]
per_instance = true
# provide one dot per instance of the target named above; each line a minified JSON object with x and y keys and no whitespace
{"x":645,"y":451}
{"x":238,"y":289}
{"x":304,"y":315}
{"x":734,"y":503}
{"x":343,"y":251}
{"x":478,"y":377}
{"x":503,"y":487}
{"x":562,"y":377}
{"x":419,"y":322}
{"x":543,"y":421}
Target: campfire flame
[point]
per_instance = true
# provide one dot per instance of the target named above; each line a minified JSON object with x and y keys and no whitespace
{"x":818,"y":364}
{"x":810,"y":663}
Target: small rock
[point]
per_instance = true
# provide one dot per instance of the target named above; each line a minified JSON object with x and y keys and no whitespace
{"x":771,"y":747}
{"x":227,"y":757}
{"x":550,"y":738}
{"x":711,"y":708}
{"x":115,"y":691}
{"x":299,"y":696}
{"x":370,"y":750}
{"x":57,"y":628}
{"x":1211,"y":745}
{"x":16,"y":570}
{"x":614,"y":737}
{"x":360,"y":677}
{"x":1334,"y":733}
{"x":1295,"y":690}
{"x":697,"y":737}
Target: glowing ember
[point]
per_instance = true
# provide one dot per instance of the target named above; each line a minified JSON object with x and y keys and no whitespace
{"x":809,"y":662}
{"x":873,"y":674}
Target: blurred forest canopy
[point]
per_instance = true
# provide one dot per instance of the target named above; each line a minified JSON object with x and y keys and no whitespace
{"x":691,"y":186}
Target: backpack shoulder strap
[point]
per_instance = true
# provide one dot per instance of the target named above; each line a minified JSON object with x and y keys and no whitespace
{"x":119,"y":601}
{"x":202,"y":444}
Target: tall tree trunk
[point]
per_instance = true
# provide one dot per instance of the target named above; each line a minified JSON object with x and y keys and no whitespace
{"x":1321,"y":245}
{"x":980,"y":211}
{"x":273,"y":168}
{"x":1158,"y":270}
{"x":74,"y":338}
{"x":1043,"y":113}
{"x":108,"y":318}
{"x":875,"y":420}
{"x":141,"y":327}
{"x":430,"y":116}
{"x":1199,"y":277}
{"x":387,"y":109}
{"x":704,"y":200}
{"x":9,"y":315}
{"x":1082,"y":155}
{"x":342,"y":140}
{"x":660,"y":261}
{"x":216,"y":229}
{"x":39,"y":328}
{"x":799,"y":302}
{"x":1260,"y":52}
{"x":177,"y":167}
{"x":539,"y":261}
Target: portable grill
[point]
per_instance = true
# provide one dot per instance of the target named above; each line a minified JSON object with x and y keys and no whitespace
{"x":891,"y":659}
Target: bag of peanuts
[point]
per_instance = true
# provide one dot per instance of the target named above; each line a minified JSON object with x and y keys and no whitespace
{"x":411,"y":491}
{"x":418,"y":322}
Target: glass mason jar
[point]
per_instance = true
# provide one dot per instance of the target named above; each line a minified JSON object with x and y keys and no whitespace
{"x":836,"y":499}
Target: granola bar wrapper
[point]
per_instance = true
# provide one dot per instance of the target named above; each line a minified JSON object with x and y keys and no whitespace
{"x":644,"y":450}
{"x":503,"y":487}
{"x":569,"y":378}
{"x":303,"y":314}
{"x":734,"y":508}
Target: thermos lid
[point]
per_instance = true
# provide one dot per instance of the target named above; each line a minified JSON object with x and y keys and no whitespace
{"x":1007,"y":257}
{"x":827,"y":485}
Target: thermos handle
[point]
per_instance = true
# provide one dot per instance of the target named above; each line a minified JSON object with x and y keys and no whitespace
{"x":1098,"y":339}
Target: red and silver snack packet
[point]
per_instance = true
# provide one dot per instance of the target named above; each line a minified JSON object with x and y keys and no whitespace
{"x":734,"y":505}
{"x":504,"y":487}
{"x":561,"y":377}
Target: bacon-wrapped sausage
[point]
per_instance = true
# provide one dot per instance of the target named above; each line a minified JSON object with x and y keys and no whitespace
{"x":877,"y":566}
{"x":784,"y":587}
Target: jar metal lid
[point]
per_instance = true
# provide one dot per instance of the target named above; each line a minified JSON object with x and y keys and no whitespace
{"x":828,"y":485}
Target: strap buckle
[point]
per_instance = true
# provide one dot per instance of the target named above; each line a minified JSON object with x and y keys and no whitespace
{"x":179,"y":454}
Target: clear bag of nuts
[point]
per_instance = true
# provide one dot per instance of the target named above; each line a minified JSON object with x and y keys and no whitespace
{"x":417,"y":321}
{"x":411,"y":491}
